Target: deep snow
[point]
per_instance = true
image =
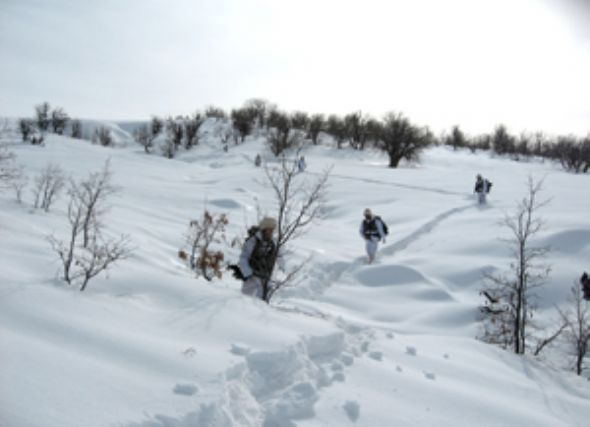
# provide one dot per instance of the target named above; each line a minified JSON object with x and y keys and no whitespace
{"x":352,"y":344}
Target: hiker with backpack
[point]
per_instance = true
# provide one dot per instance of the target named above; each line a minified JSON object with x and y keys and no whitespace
{"x":257,"y":258}
{"x":301,"y":164}
{"x":373,"y":230}
{"x":482,"y":188}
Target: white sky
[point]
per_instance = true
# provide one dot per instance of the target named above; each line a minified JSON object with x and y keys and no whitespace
{"x":524,"y":63}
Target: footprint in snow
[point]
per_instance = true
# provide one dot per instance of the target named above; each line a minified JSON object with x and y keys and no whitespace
{"x":429,"y":376}
{"x":190,"y":352}
{"x":185,"y":389}
{"x":376,"y":355}
{"x":411,"y":351}
{"x":352,"y":409}
{"x":338,"y":376}
{"x":240,"y":350}
{"x":347,"y":359}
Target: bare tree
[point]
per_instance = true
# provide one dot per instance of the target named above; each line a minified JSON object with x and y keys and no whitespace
{"x":400,"y":139}
{"x":199,"y":238}
{"x":191,"y":129}
{"x":356,"y":129}
{"x":215,"y":112}
{"x":243,"y":121}
{"x":59,"y":120}
{"x":174,"y":134}
{"x":502,"y":141}
{"x":299,"y":202}
{"x":7,"y":168}
{"x":156,"y":126}
{"x":335,"y":126}
{"x":316,"y":125}
{"x":300,"y":120}
{"x":282,"y":136}
{"x":456,"y":139}
{"x":26,"y":128}
{"x":510,"y":298}
{"x":19,"y":182}
{"x":87,"y":253}
{"x":92,"y":194}
{"x":573,"y":153}
{"x":76,"y":129}
{"x":577,"y":335}
{"x":103,"y":136}
{"x":100,"y":255}
{"x":144,"y":137}
{"x":259,"y":109}
{"x":48,"y":186}
{"x":66,"y":250}
{"x":42,"y":116}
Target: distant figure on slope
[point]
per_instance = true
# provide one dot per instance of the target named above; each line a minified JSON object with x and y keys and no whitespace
{"x":373,"y":230}
{"x":301,"y":164}
{"x":258,"y":160}
{"x":257,"y":258}
{"x":482,"y":188}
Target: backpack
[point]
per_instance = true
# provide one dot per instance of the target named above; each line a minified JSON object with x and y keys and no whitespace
{"x":385,"y":228}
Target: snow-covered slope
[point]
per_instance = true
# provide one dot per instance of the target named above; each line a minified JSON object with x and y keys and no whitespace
{"x":352,"y":344}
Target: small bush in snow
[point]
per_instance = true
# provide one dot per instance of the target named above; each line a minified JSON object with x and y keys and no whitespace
{"x":26,"y":128}
{"x":201,"y":235}
{"x":19,"y":182}
{"x":42,"y":116}
{"x":103,"y":136}
{"x":76,"y":129}
{"x":59,"y":120}
{"x":87,"y":252}
{"x":48,"y":186}
{"x":7,"y":168}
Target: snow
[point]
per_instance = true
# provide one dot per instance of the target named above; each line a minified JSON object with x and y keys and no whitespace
{"x":392,"y":343}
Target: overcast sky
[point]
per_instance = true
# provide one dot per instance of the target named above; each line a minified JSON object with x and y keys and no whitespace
{"x":475,"y":63}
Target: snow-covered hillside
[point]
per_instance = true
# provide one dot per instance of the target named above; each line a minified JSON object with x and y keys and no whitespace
{"x":386,"y":344}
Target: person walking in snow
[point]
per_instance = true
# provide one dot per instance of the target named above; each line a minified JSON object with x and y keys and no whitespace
{"x":373,"y":231}
{"x":301,"y":164}
{"x":257,"y":160}
{"x":257,"y":258}
{"x":482,"y":188}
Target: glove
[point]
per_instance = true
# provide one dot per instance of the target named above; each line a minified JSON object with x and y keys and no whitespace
{"x":236,"y":272}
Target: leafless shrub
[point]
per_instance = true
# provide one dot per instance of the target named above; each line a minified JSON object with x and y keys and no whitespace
{"x":103,"y":136}
{"x":26,"y":128}
{"x":215,"y":112}
{"x":191,"y":129}
{"x":243,"y":121}
{"x":299,"y":202}
{"x":510,"y":299}
{"x":201,"y":235}
{"x":144,"y":137}
{"x":19,"y":182}
{"x":87,"y":253}
{"x":7,"y":169}
{"x":92,"y":193}
{"x":76,"y":129}
{"x":42,"y":116}
{"x":316,"y":125}
{"x":48,"y":186}
{"x":59,"y":120}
